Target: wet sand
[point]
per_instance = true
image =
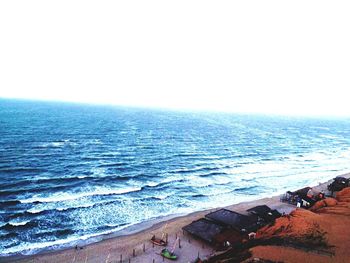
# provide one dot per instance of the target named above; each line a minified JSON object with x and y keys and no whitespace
{"x":136,"y":247}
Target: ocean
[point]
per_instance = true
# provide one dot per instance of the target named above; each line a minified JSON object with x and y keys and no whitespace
{"x":72,"y":172}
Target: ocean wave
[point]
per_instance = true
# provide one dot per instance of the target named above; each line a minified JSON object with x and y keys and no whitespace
{"x":53,"y":144}
{"x":94,"y":141}
{"x":199,"y":195}
{"x":213,"y":190}
{"x":30,"y":248}
{"x":207,"y":184}
{"x":36,"y":210}
{"x":60,"y":197}
{"x":38,"y":180}
{"x":112,"y":165}
{"x":18,"y":223}
{"x":48,"y":210}
{"x":246,"y":188}
{"x":44,"y":209}
{"x":19,"y":214}
{"x":57,"y":144}
{"x":98,"y":157}
{"x":55,"y":184}
{"x":158,"y":197}
{"x":21,"y":170}
{"x":9,"y":203}
{"x":213,"y":193}
{"x":162,"y":184}
{"x":8,"y":235}
{"x":37,"y":189}
{"x":197,"y":157}
{"x":193,"y":170}
{"x":212,"y":174}
{"x":152,"y":184}
{"x":77,"y":207}
{"x":56,"y":232}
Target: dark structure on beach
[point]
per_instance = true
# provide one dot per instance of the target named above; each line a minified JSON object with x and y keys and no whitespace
{"x":204,"y":229}
{"x":223,"y":228}
{"x":213,"y":233}
{"x":338,"y":184}
{"x":304,"y":197}
{"x":265,"y":213}
{"x":241,"y":223}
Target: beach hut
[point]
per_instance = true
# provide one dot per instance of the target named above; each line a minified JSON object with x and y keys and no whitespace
{"x":260,"y":209}
{"x":265,"y":213}
{"x":213,"y":233}
{"x":301,"y":197}
{"x":228,"y":237}
{"x":204,"y":229}
{"x":338,"y":184}
{"x":243,"y":224}
{"x":301,"y":192}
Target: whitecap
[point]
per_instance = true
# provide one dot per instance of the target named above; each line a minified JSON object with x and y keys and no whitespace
{"x":53,"y":144}
{"x":76,"y":207}
{"x":35,"y":210}
{"x":26,"y":248}
{"x":152,"y":184}
{"x":18,"y":223}
{"x":162,"y":197}
{"x":57,"y":144}
{"x":60,"y":197}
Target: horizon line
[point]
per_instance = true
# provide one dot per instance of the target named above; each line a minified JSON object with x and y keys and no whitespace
{"x":178,"y":109}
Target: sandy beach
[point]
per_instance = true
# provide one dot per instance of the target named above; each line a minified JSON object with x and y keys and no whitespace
{"x":137,"y":247}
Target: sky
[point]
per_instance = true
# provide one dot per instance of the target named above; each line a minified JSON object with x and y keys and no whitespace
{"x":280,"y":57}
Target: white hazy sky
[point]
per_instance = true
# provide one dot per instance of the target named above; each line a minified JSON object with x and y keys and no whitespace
{"x":284,"y":57}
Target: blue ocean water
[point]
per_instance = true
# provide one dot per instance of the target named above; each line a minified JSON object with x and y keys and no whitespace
{"x":69,"y":172}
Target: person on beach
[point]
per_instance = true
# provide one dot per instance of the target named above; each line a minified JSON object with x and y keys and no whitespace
{"x":298,"y":202}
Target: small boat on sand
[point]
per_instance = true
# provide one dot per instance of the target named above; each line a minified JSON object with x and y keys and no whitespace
{"x":168,"y":254}
{"x":158,"y":241}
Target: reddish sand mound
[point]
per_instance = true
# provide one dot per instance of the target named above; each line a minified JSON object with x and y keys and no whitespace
{"x":323,"y":203}
{"x":344,"y":195}
{"x":329,"y":223}
{"x":339,"y":207}
{"x":303,"y":236}
{"x":297,"y":224}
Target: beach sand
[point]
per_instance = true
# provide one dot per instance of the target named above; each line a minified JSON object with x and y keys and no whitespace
{"x":111,"y":250}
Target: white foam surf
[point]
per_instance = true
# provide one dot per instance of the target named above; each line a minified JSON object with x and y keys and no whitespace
{"x":64,"y":196}
{"x":18,"y":223}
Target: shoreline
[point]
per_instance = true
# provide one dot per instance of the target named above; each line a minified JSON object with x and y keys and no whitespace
{"x":136,"y":237}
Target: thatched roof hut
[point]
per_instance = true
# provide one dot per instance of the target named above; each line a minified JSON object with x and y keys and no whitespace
{"x":265,"y":213}
{"x":213,"y":233}
{"x":204,"y":229}
{"x":234,"y":220}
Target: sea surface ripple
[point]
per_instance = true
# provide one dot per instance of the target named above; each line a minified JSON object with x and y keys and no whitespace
{"x":69,"y":172}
